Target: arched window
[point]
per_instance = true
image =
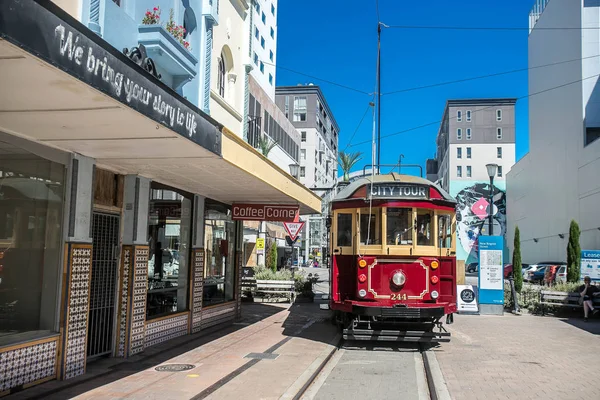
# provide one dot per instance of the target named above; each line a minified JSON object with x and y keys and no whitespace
{"x":221,"y":76}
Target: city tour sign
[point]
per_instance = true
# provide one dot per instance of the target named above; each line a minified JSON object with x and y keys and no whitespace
{"x":264,"y":212}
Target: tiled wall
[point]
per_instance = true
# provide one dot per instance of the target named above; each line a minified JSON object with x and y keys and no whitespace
{"x":218,"y":314}
{"x":27,"y":364}
{"x":197,"y":289}
{"x":123,"y":306}
{"x":139,"y":289}
{"x":76,"y":310}
{"x":163,"y":329}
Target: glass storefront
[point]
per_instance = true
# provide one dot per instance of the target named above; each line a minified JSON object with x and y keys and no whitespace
{"x":219,"y":239}
{"x":169,"y":231}
{"x":31,"y":215}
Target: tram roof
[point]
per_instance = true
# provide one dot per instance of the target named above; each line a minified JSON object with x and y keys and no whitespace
{"x":348,"y":191}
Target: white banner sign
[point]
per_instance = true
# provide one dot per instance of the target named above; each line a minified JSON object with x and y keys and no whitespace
{"x":467,"y":299}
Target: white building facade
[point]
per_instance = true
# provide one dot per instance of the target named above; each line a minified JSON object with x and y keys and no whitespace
{"x":558,"y":180}
{"x":264,"y":44}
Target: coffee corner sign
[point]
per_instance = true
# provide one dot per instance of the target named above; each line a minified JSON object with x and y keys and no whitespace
{"x":265,"y":212}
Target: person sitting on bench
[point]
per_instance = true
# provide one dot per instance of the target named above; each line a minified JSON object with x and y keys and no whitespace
{"x":587,"y":292}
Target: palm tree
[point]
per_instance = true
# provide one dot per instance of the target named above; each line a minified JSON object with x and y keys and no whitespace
{"x":265,"y":145}
{"x":347,"y":161}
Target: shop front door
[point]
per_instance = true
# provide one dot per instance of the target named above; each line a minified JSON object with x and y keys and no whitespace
{"x":105,"y":239}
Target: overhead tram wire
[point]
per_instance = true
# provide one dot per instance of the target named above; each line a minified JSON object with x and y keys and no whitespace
{"x":485,"y":76}
{"x":478,"y":110}
{"x":358,"y":127}
{"x":490,"y":28}
{"x":318,"y":79}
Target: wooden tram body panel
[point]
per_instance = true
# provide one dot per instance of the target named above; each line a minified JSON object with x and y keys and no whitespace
{"x":393,"y":252}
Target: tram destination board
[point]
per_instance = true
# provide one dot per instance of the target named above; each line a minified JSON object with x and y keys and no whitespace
{"x":398,"y":190}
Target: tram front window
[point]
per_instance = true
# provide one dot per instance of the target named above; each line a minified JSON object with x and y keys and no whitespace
{"x":399,"y":226}
{"x":425,"y":228}
{"x":369,"y":228}
{"x":445,"y":231}
{"x":344,"y":230}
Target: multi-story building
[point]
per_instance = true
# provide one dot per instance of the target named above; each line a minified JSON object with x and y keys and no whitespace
{"x":558,"y":180}
{"x":264,"y":44}
{"x":474,"y":133}
{"x":116,"y":188}
{"x":306,"y":107}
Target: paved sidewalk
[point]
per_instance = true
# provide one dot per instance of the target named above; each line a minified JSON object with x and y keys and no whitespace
{"x":521,"y":357}
{"x":294,"y":338}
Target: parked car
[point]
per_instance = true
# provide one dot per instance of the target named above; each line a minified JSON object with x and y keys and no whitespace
{"x":537,"y":276}
{"x":473,"y":267}
{"x":561,"y":274}
{"x":508,"y":270}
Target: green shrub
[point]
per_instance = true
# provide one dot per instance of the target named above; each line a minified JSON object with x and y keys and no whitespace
{"x":516,"y":261}
{"x":568,"y":287}
{"x":573,"y":254}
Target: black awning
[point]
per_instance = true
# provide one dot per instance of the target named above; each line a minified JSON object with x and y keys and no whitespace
{"x":49,"y":33}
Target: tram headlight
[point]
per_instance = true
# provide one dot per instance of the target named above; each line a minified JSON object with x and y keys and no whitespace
{"x":435,"y":294}
{"x":362,"y":292}
{"x":399,"y":278}
{"x":434,"y":264}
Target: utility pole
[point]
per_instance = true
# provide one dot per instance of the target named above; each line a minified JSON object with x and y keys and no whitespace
{"x":378,"y":96}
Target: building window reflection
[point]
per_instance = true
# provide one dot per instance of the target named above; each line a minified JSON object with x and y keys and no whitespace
{"x":219,"y":239}
{"x":169,"y":230}
{"x":31,"y":205}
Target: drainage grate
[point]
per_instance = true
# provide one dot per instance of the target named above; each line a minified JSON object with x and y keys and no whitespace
{"x":174,"y":367}
{"x":262,"y":356}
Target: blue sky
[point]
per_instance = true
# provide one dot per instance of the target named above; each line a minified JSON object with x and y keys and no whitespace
{"x":336,"y":40}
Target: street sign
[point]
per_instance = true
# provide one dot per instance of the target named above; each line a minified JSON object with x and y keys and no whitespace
{"x":293,"y":228}
{"x":467,"y":299}
{"x":260,"y":246}
{"x":491,"y":271}
{"x":289,"y":240}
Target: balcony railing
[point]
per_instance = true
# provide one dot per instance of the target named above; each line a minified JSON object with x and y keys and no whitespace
{"x":536,"y":12}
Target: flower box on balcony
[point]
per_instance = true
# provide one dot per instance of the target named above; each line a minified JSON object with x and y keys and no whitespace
{"x":168,"y":54}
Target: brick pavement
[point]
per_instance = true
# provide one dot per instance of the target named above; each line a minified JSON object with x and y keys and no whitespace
{"x":520,"y":357}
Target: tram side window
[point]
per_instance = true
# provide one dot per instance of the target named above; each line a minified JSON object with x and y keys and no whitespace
{"x":344,"y":230}
{"x":399,"y":226}
{"x":369,"y":228}
{"x":445,"y":231}
{"x":424,"y":228}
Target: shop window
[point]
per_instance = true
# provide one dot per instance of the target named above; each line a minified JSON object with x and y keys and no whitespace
{"x":219,"y":240}
{"x":169,"y":230}
{"x":399,"y":226}
{"x":370,"y":227}
{"x":445,"y":231}
{"x":31,"y":209}
{"x":344,"y":229}
{"x":424,"y":228}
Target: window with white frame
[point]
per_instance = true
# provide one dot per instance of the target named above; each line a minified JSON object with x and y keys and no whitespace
{"x":499,"y":171}
{"x":273,"y":33}
{"x":271,"y":55}
{"x":257,"y":6}
{"x":255,"y":59}
{"x":272,"y":9}
{"x":303,"y":154}
{"x":459,"y":171}
{"x":262,"y":67}
{"x":468,"y":152}
{"x":468,"y":133}
{"x":499,"y":152}
{"x":264,"y":18}
{"x":498,"y":115}
{"x":458,"y":152}
{"x":270,"y":79}
{"x":302,"y":172}
{"x":499,"y":133}
{"x":468,"y":171}
{"x":262,"y":42}
{"x":300,"y":109}
{"x":459,"y":116}
{"x":459,"y":134}
{"x":303,"y":136}
{"x":256,"y":32}
{"x":468,"y":115}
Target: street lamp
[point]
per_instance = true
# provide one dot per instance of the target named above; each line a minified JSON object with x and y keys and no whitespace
{"x":491,"y":170}
{"x":294,"y":170}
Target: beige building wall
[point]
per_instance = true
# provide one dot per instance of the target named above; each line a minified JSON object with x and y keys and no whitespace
{"x":73,"y":7}
{"x":230,"y":39}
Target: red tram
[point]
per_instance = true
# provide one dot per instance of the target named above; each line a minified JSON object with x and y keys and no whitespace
{"x":393,"y":265}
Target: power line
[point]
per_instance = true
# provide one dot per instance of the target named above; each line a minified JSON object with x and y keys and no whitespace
{"x":485,"y":76}
{"x":318,"y":79}
{"x":490,"y":28}
{"x":481,"y":109}
{"x":356,"y":130}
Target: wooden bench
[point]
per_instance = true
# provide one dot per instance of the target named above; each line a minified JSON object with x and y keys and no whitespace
{"x":563,"y":299}
{"x":285,"y":289}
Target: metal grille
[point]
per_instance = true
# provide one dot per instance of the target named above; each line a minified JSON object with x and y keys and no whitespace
{"x":105,"y":237}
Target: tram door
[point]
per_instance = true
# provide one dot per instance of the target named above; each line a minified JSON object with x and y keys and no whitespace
{"x":105,"y":240}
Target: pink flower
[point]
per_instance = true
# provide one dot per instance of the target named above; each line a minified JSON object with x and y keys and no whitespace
{"x":155,"y":8}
